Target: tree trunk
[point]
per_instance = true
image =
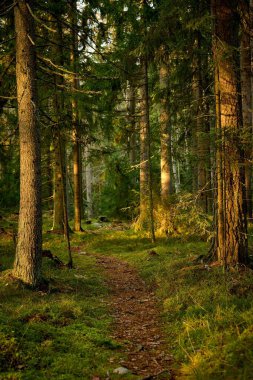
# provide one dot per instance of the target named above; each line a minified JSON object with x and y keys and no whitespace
{"x":58,"y":217}
{"x":202,"y":147}
{"x":232,"y":226}
{"x":27,"y":265}
{"x":144,"y":178}
{"x":175,"y":163}
{"x":46,"y":171}
{"x":246,"y":108}
{"x":58,"y":141}
{"x":77,"y":172}
{"x":146,"y":193}
{"x":165,"y":134}
{"x":89,"y":180}
{"x":132,"y":122}
{"x":209,"y":140}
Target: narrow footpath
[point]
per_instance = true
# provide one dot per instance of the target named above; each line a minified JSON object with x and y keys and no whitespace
{"x":137,"y":321}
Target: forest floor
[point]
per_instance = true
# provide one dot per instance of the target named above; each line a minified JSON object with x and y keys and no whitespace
{"x":125,"y":304}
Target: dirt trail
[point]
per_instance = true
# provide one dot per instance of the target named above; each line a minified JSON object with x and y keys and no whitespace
{"x":137,"y":321}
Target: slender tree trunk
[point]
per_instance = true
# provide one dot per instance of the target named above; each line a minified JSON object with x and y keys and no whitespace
{"x":246,"y":108}
{"x":58,"y":217}
{"x":144,"y":178}
{"x":132,"y":122}
{"x":232,"y":226}
{"x":47,"y":188}
{"x":64,"y":199}
{"x":27,"y":265}
{"x":165,"y":134}
{"x":89,"y":182}
{"x":209,"y":141}
{"x":132,"y":134}
{"x":220,"y":209}
{"x":175,"y":164}
{"x":146,"y":193}
{"x":77,"y":172}
{"x":58,"y":141}
{"x":202,"y":143}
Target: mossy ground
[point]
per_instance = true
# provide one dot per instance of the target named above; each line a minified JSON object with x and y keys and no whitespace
{"x":61,"y":334}
{"x":65,"y":334}
{"x":208,"y":313}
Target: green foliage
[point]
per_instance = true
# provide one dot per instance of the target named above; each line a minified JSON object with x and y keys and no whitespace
{"x":9,"y":162}
{"x":180,"y":217}
{"x":118,"y":195}
{"x":9,"y":190}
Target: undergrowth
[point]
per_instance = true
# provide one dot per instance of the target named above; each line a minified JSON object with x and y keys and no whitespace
{"x":179,"y":217}
{"x":60,"y":334}
{"x":207,"y":314}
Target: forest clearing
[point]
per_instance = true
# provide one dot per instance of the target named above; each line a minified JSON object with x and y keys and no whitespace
{"x":126,"y":205}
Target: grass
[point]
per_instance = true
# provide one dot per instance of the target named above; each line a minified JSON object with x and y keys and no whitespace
{"x":207,"y":314}
{"x":63,"y":334}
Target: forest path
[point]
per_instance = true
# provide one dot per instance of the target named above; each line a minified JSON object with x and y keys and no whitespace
{"x":137,"y":321}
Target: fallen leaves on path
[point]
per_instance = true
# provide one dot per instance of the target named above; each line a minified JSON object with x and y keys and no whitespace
{"x":137,"y":322}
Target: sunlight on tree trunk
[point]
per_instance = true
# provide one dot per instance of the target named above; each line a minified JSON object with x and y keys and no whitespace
{"x":246,"y":107}
{"x":27,"y":266}
{"x":146,"y":193}
{"x":232,"y":228}
{"x":165,"y":133}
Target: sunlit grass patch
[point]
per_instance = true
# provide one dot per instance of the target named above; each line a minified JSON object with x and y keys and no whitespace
{"x":60,"y":334}
{"x":207,"y":313}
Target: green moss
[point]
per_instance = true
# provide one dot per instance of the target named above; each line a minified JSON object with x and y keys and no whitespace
{"x":62,"y":334}
{"x":207,"y":315}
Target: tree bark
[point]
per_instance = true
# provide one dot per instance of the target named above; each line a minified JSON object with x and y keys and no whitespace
{"x":77,"y":172}
{"x":89,"y":182}
{"x":144,"y":178}
{"x":246,"y":107}
{"x":232,"y":226}
{"x":202,"y":141}
{"x":58,"y":142}
{"x":27,"y":265}
{"x":165,"y":134}
{"x":58,"y":217}
{"x":131,"y":108}
{"x":48,"y":188}
{"x":176,"y":167}
{"x":146,"y":193}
